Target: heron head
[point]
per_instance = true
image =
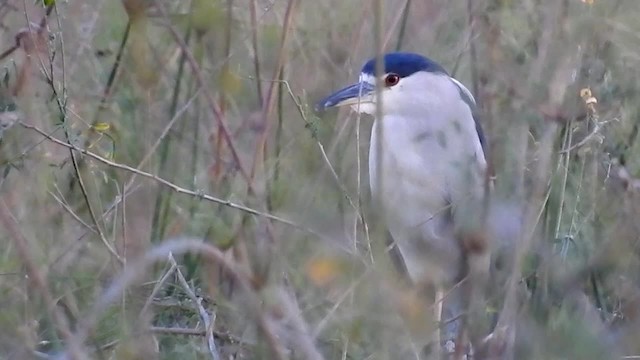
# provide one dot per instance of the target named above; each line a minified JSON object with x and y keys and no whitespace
{"x":408,"y":80}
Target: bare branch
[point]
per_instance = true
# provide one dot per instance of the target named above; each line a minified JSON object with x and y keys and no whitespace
{"x":171,"y":185}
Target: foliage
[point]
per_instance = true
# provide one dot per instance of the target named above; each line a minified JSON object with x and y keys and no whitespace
{"x":128,"y":129}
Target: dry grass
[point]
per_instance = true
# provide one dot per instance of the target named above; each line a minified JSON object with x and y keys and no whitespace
{"x":166,"y":190}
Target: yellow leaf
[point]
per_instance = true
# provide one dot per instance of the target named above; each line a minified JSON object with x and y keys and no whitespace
{"x":207,"y":14}
{"x":101,"y":127}
{"x":413,"y":309}
{"x":145,"y":65}
{"x":230,"y":83}
{"x":323,"y":271}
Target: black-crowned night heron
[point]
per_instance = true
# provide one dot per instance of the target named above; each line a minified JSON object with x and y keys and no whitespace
{"x":427,"y":171}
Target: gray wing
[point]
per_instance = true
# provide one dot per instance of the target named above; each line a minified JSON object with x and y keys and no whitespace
{"x":396,"y":258}
{"x":467,"y":97}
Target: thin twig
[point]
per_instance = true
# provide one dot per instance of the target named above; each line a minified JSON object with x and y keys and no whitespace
{"x":473,"y":53}
{"x":267,"y":105}
{"x":208,"y":324}
{"x":61,"y":102}
{"x":325,"y":157}
{"x":400,"y":16}
{"x":174,"y":187}
{"x":298,"y":332}
{"x":160,"y":209}
{"x":180,"y":246}
{"x":37,"y":278}
{"x":256,"y":52}
{"x":66,"y":207}
{"x":403,"y":25}
{"x":213,"y":105}
{"x":196,"y":332}
{"x":596,"y":129}
{"x":159,"y":284}
{"x":325,"y":320}
{"x":108,"y":88}
{"x":177,"y":116}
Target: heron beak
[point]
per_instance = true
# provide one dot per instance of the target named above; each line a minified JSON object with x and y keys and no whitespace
{"x":360,"y":93}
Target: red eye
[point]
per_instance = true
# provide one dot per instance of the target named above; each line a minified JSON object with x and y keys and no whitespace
{"x":391,"y":80}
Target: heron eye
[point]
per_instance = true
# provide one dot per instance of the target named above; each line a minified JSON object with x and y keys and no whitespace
{"x":391,"y":80}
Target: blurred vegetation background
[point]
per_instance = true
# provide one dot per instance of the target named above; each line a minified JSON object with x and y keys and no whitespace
{"x":166,"y":190}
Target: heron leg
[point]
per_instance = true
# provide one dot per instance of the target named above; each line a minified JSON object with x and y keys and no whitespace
{"x":439,"y":300}
{"x":452,"y":324}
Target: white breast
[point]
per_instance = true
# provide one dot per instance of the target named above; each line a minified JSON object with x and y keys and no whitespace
{"x":411,"y":181}
{"x":425,"y":161}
